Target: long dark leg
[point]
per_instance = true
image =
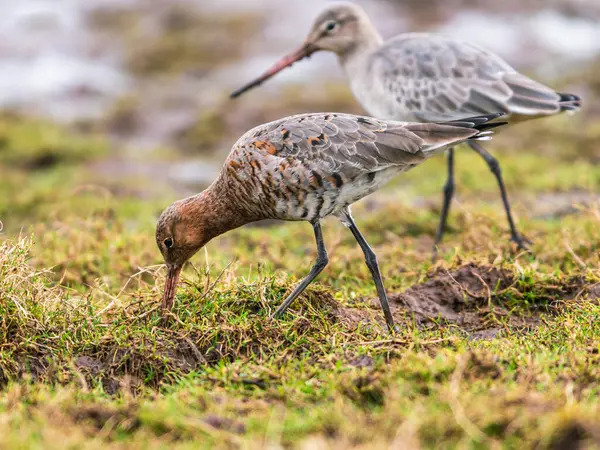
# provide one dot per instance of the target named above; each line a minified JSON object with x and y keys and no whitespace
{"x":371,"y":260}
{"x":495,"y":168}
{"x":320,"y":263}
{"x":448,"y":194}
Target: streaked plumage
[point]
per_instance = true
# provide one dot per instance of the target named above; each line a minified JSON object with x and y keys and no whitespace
{"x":305,"y":167}
{"x":309,"y":166}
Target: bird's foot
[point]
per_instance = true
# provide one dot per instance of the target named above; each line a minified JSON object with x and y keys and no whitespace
{"x":393,"y":329}
{"x":523,"y":243}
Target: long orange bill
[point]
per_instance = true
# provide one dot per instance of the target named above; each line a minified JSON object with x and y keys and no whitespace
{"x":170,"y":285}
{"x":303,"y":52}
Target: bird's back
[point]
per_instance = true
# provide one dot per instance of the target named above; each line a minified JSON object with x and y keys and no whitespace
{"x":309,"y":166}
{"x":429,"y":77}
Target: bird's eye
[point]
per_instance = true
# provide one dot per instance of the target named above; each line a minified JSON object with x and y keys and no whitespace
{"x":331,"y":25}
{"x":168,"y":242}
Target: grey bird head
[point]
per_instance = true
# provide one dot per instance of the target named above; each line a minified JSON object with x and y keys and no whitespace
{"x":342,"y":28}
{"x":338,"y":29}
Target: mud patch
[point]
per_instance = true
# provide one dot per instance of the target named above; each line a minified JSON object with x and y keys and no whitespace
{"x":34,"y":366}
{"x":361,"y":361}
{"x":89,"y":365}
{"x":352,"y":317}
{"x":575,"y":436}
{"x":483,"y":300}
{"x":475,"y":298}
{"x":490,"y":333}
{"x":224,"y":423}
{"x":454,"y":297}
{"x":593,"y":291}
{"x":93,"y":369}
{"x":102,"y":417}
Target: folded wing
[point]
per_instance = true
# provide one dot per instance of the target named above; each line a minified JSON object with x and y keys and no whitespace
{"x":441,"y":79}
{"x":352,"y":145}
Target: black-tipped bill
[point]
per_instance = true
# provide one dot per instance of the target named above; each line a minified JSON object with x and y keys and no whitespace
{"x":287,"y":61}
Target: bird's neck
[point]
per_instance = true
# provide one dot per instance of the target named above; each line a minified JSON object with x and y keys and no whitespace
{"x":215,"y":211}
{"x":368,"y":42}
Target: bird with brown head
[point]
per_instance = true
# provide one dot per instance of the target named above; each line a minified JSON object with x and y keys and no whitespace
{"x":305,"y":167}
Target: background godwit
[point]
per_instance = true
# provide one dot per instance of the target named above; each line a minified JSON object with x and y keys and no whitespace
{"x":305,"y":167}
{"x":426,"y":78}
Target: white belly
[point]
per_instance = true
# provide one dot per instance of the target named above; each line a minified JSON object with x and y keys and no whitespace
{"x":363,"y":186}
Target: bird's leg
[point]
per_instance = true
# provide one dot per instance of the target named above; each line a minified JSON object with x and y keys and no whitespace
{"x":320,"y":263}
{"x":495,"y":168}
{"x":371,"y":260}
{"x":448,"y":194}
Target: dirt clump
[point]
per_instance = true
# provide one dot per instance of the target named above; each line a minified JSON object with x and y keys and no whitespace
{"x":98,"y":416}
{"x":462,"y":297}
{"x":352,"y":317}
{"x":575,"y":436}
{"x":225,"y":423}
{"x":476,"y":298}
{"x":89,"y":365}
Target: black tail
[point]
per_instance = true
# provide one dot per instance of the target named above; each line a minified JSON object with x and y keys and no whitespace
{"x":569,"y":102}
{"x":481,"y":123}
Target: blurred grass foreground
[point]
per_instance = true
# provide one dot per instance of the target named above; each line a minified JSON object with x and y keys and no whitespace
{"x":498,"y":349}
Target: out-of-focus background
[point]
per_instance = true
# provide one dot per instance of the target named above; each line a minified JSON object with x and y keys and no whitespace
{"x":151,"y":74}
{"x":110,"y":110}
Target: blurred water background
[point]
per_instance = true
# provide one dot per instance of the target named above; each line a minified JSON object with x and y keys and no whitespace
{"x":155,"y":74}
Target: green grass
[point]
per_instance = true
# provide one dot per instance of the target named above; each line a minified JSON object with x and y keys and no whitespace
{"x":87,"y":360}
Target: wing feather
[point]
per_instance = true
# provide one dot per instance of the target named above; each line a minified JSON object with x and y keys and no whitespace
{"x":358,"y":144}
{"x":433,"y":78}
{"x":345,"y":143}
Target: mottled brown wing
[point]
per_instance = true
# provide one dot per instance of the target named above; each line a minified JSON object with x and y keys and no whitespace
{"x":437,"y":78}
{"x":340,"y":143}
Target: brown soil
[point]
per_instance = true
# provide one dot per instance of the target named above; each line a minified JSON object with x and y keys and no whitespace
{"x":125,"y":419}
{"x":474,"y":298}
{"x":449,"y":295}
{"x":575,"y":436}
{"x":224,"y":423}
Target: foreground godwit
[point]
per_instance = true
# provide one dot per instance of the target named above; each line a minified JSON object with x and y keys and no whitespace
{"x":305,"y":167}
{"x":426,"y":78}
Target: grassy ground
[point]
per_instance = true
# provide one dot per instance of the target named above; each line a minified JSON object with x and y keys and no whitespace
{"x":498,"y":349}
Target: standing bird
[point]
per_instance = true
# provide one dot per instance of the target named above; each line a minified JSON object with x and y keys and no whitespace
{"x":305,"y":167}
{"x":426,"y":77}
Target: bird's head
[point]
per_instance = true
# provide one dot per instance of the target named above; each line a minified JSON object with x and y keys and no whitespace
{"x":181,"y":231}
{"x":189,"y":224}
{"x":341,"y":28}
{"x":337,"y":29}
